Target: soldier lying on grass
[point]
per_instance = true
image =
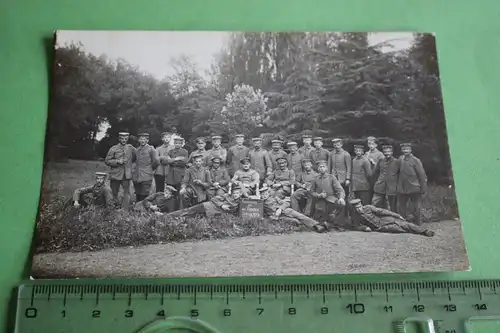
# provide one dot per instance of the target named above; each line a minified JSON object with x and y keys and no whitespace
{"x":98,"y":194}
{"x":158,"y":203}
{"x":275,"y":207}
{"x":371,"y":218}
{"x":220,"y":204}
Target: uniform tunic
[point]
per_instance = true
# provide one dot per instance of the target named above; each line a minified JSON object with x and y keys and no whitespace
{"x":250,"y":180}
{"x":385,"y":176}
{"x":158,"y":199}
{"x":177,"y":168}
{"x":295,"y":162}
{"x":412,"y":182}
{"x":260,"y":162}
{"x":115,"y":153}
{"x":302,"y":192}
{"x":306,"y":151}
{"x":217,"y":152}
{"x":319,"y":155}
{"x":361,"y":174}
{"x":376,"y":155}
{"x":272,"y":204}
{"x":211,"y":208}
{"x":220,"y":176}
{"x":146,"y":163}
{"x":327,"y":183}
{"x":234,"y":155}
{"x":340,"y":165}
{"x":99,"y":195}
{"x":162,"y":152}
{"x":196,"y":191}
{"x":284,"y":177}
{"x":199,"y":151}
{"x":274,"y":155}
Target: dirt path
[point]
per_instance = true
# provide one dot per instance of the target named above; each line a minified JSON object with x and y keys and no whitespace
{"x":294,"y":254}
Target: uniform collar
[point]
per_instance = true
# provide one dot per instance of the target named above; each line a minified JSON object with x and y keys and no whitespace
{"x":324,"y":175}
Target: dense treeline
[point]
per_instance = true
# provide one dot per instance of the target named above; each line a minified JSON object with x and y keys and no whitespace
{"x":269,"y":84}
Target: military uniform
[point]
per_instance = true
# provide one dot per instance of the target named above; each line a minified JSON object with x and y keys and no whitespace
{"x":276,"y":154}
{"x":320,"y":154}
{"x":195,"y":192}
{"x":306,"y":151}
{"x":385,"y":176}
{"x":383,"y":220}
{"x":340,"y":166}
{"x":273,"y":204}
{"x":95,"y":195}
{"x":119,"y":159}
{"x":220,"y":152}
{"x":146,"y":163}
{"x":162,"y":169}
{"x":375,"y":155}
{"x":212,"y":207}
{"x":202,"y":152}
{"x":220,"y":176}
{"x":412,"y":183}
{"x":285,"y":178}
{"x":295,"y":160}
{"x":158,"y":199}
{"x":249,"y":180}
{"x":260,"y":162}
{"x":302,"y":193}
{"x":234,"y":155}
{"x":360,"y":178}
{"x":328,"y":185}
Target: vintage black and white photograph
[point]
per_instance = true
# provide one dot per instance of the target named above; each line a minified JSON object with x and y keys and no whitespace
{"x":209,"y":153}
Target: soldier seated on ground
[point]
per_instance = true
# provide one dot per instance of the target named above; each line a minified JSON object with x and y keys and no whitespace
{"x":276,"y":208}
{"x":220,"y":204}
{"x":370,"y":218}
{"x":195,"y":183}
{"x":98,"y":194}
{"x":159,"y":202}
{"x":247,"y":179}
{"x":281,"y":180}
{"x":301,"y":199}
{"x":220,"y":178}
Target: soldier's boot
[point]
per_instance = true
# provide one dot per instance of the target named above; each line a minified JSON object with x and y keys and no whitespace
{"x":429,"y":233}
{"x":319,"y":228}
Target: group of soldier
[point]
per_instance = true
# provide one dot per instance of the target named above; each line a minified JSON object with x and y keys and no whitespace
{"x":308,"y":184}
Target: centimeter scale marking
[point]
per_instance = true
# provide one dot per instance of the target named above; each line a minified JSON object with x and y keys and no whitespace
{"x":444,"y":306}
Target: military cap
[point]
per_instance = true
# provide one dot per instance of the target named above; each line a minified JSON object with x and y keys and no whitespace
{"x":216,"y":159}
{"x":371,"y":138}
{"x":235,"y":187}
{"x":317,"y":138}
{"x":291,"y":143}
{"x":215,"y":137}
{"x":178,"y":139}
{"x":264,"y":188}
{"x":101,"y":174}
{"x":196,"y":155}
{"x":405,"y":144}
{"x":239,"y":136}
{"x":304,"y":160}
{"x":277,"y":141}
{"x":306,"y":136}
{"x":281,"y":158}
{"x":387,"y":147}
{"x":244,"y":160}
{"x":257,"y":139}
{"x":321,"y":162}
{"x":144,"y":135}
{"x":200,"y":140}
{"x":164,"y":134}
{"x":359,"y":147}
{"x":170,"y":188}
{"x":355,"y":201}
{"x":336,"y":140}
{"x":124,"y":134}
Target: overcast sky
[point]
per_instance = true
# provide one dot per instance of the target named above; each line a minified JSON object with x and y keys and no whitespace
{"x":151,"y":51}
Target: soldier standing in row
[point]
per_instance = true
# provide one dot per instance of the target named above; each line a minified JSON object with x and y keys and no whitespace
{"x":162,"y":169}
{"x":276,"y":152}
{"x":145,"y":164}
{"x":385,"y":176}
{"x":301,"y":197}
{"x":412,"y":183}
{"x":329,"y":196}
{"x":216,"y":151}
{"x":307,"y":148}
{"x":200,"y":144}
{"x":373,"y":154}
{"x":236,"y":153}
{"x":260,"y":160}
{"x":177,"y":161}
{"x":119,"y":159}
{"x":220,"y":178}
{"x":195,"y":183}
{"x":340,"y":165}
{"x":246,"y":178}
{"x":294,"y":158}
{"x":281,"y":180}
{"x":319,"y":153}
{"x":361,"y":176}
{"x":95,"y":195}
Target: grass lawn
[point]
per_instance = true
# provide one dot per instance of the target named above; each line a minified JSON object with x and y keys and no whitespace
{"x":58,"y":230}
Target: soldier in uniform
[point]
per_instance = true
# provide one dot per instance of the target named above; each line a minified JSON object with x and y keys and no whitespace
{"x":301,"y":197}
{"x":146,"y":163}
{"x":373,"y":154}
{"x":159,"y":202}
{"x":282,"y":179}
{"x":371,"y":218}
{"x":307,"y":148}
{"x":220,"y":178}
{"x":412,"y":183}
{"x":319,"y":153}
{"x":200,"y":144}
{"x":385,"y":176}
{"x":119,"y":159}
{"x":260,"y":160}
{"x":236,"y":153}
{"x":276,"y":208}
{"x":217,"y":151}
{"x":162,"y":169}
{"x":328,"y":195}
{"x":246,"y":178}
{"x":276,"y":152}
{"x":195,"y":183}
{"x":96,"y":195}
{"x":341,"y":165}
{"x":218,"y":205}
{"x":361,"y":176}
{"x":178,"y":158}
{"x":295,"y":158}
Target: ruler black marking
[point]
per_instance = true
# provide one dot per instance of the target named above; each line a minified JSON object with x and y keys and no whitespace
{"x":227,"y":296}
{"x":449,"y":294}
{"x":97,"y":298}
{"x":129,"y":301}
{"x":324,"y":296}
{"x":386,"y":294}
{"x":480,"y":294}
{"x":418,"y":294}
{"x":291,"y":296}
{"x":194,"y":299}
{"x":355,"y":296}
